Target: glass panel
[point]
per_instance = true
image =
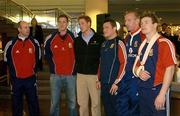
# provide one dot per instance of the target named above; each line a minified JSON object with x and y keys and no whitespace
{"x":13,"y":11}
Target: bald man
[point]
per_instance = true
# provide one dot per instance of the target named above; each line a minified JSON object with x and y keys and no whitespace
{"x":22,"y":55}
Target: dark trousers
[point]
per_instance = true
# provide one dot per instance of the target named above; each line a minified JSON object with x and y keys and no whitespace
{"x":40,"y":65}
{"x":147,"y":98}
{"x":115,"y":105}
{"x":133,"y":94}
{"x":27,"y":87}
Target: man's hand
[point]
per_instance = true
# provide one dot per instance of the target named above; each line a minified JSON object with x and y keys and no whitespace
{"x":144,"y":75}
{"x":113,"y":90}
{"x":160,"y":102}
{"x":98,"y":85}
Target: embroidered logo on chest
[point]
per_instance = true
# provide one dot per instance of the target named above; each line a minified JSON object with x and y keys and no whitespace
{"x":136,"y":44}
{"x":30,"y":50}
{"x":151,"y":52}
{"x":130,"y":50}
{"x":17,"y":51}
{"x":70,"y":45}
{"x":112,"y":46}
{"x":55,"y":46}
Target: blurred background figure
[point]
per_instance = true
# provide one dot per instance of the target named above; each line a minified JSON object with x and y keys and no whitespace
{"x":163,"y":27}
{"x":177,"y":42}
{"x":123,"y":32}
{"x":37,"y":33}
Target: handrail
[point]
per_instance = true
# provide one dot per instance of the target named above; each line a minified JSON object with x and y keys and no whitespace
{"x":57,"y":9}
{"x":28,"y":10}
{"x":24,"y":8}
{"x":14,"y":11}
{"x":55,"y":12}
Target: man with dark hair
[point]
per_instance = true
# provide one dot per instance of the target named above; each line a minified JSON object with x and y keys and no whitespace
{"x":154,"y":66}
{"x":164,"y":28}
{"x":87,"y":51}
{"x":59,"y":52}
{"x":132,"y":41}
{"x":63,"y":16}
{"x":111,"y":72}
{"x":22,"y":55}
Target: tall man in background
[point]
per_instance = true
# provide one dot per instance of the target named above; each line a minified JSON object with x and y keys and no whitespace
{"x":132,"y":41}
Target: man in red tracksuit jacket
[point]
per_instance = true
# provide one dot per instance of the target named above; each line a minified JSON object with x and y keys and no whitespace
{"x":59,"y":52}
{"x":22,"y":55}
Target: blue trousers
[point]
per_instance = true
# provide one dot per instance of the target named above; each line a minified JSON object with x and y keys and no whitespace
{"x":133,"y":94}
{"x":27,"y":87}
{"x":147,"y":98}
{"x":115,"y":105}
{"x":68,"y":83}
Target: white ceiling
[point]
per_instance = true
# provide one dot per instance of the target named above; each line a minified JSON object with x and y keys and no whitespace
{"x":167,"y":9}
{"x":66,"y":5}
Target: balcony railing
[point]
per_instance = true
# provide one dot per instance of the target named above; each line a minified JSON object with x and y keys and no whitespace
{"x":15,"y":12}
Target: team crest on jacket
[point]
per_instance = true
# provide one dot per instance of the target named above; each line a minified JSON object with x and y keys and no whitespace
{"x":55,"y":46}
{"x":70,"y":45}
{"x":112,"y":46}
{"x":130,"y":50}
{"x":30,"y":50}
{"x":151,"y":52}
{"x":136,"y":44}
{"x":103,"y":45}
{"x":17,"y":51}
{"x":94,"y":43}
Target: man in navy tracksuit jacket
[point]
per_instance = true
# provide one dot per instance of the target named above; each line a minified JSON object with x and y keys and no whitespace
{"x":22,"y":55}
{"x":132,"y":41}
{"x":111,"y":72}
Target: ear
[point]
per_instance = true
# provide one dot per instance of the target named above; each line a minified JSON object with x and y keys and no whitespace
{"x":89,"y":24}
{"x":115,"y":28}
{"x":155,"y":25}
{"x":19,"y":29}
{"x":138,"y":20}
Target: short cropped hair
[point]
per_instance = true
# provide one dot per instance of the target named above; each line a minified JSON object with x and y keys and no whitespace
{"x":85,"y":17}
{"x":111,"y":21}
{"x":63,"y":16}
{"x":152,"y":15}
{"x":135,"y":12}
{"x":19,"y":24}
